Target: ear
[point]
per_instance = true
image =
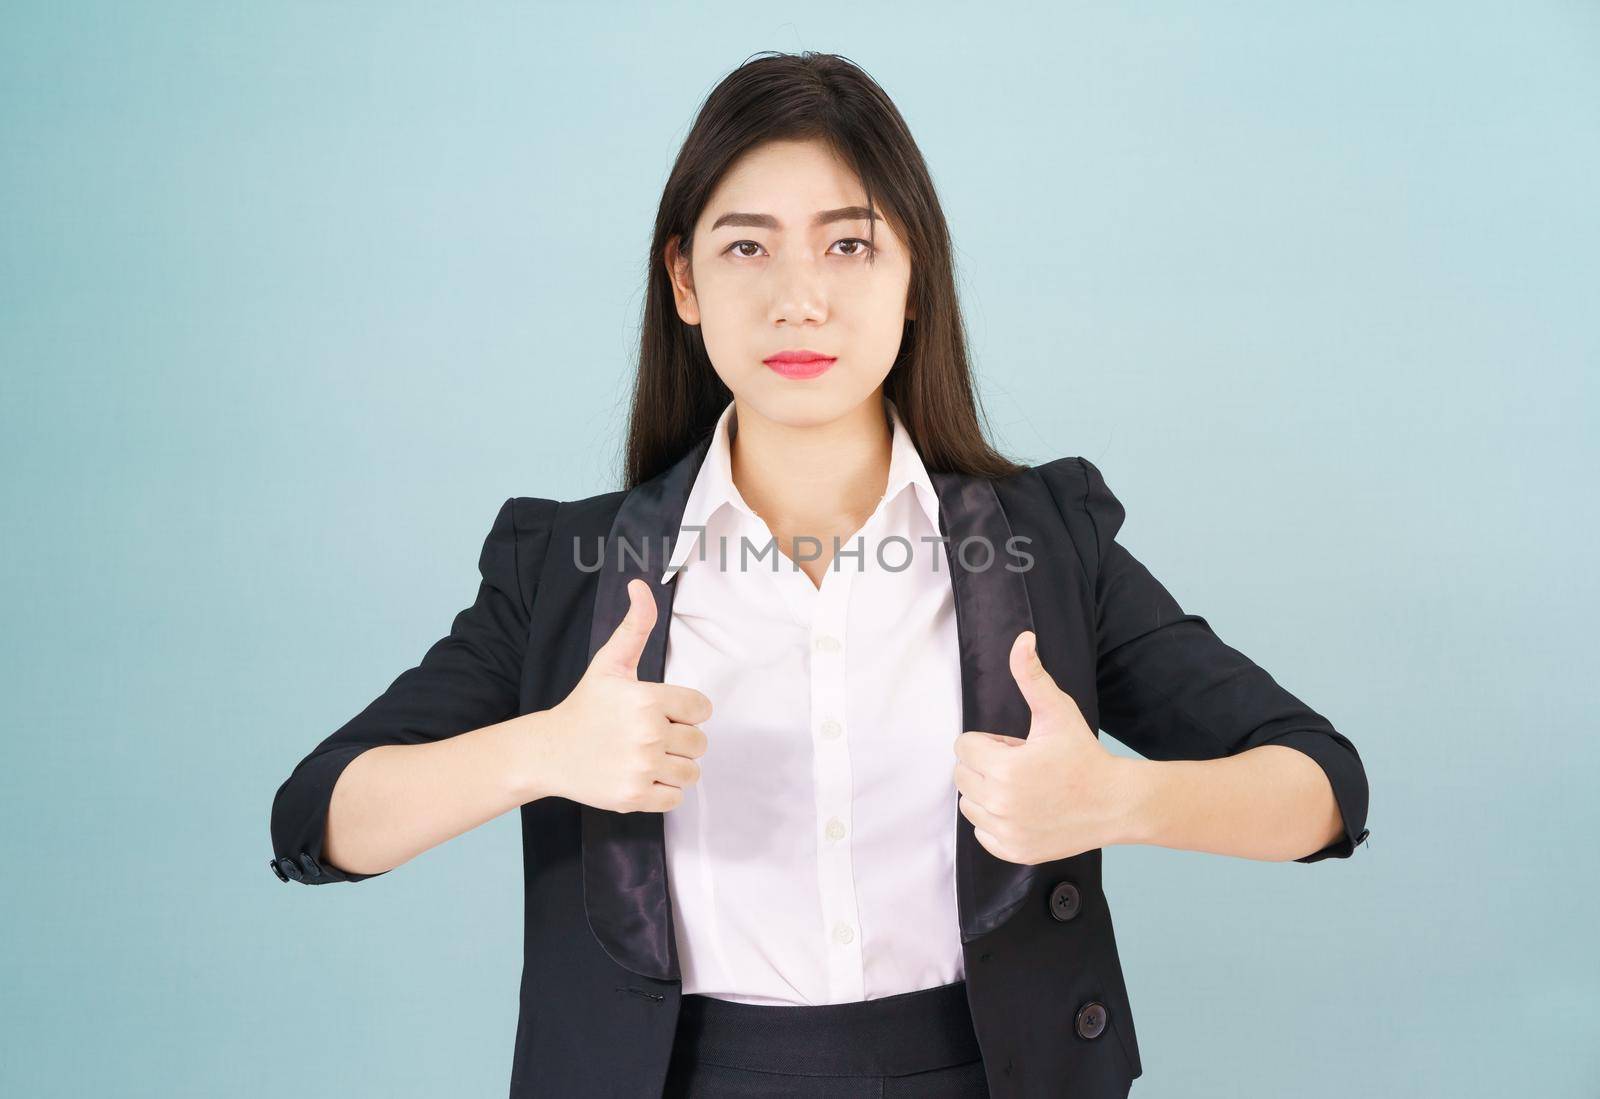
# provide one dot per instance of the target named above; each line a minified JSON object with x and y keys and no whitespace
{"x":681,"y":276}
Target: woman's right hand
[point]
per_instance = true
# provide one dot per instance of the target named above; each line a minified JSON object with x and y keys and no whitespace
{"x":619,"y":743}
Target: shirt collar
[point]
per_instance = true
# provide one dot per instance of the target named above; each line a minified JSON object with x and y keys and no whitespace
{"x":714,"y":488}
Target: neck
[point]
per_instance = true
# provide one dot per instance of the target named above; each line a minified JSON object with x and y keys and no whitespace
{"x":816,"y":479}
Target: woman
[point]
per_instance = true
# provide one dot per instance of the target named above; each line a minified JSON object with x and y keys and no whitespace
{"x":741,"y":703}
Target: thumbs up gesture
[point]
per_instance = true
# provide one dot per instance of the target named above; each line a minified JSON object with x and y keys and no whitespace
{"x":1053,"y":795}
{"x":620,"y":743}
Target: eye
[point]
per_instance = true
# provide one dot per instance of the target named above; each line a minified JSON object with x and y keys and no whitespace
{"x":861,"y":247}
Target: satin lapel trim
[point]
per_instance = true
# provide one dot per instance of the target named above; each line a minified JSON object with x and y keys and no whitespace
{"x":624,"y":854}
{"x":992,"y":607}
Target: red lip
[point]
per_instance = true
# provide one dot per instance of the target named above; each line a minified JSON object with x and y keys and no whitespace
{"x":801,"y":355}
{"x":799,"y":364}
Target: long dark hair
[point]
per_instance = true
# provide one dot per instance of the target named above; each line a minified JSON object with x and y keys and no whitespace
{"x":677,"y":396}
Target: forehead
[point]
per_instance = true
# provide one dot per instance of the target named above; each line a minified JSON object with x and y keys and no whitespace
{"x":792,"y":179}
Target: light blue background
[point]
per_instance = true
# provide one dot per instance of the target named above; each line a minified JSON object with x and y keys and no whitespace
{"x":294,"y":295}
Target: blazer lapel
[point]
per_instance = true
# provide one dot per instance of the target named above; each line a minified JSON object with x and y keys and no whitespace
{"x":624,"y":854}
{"x":991,"y":609}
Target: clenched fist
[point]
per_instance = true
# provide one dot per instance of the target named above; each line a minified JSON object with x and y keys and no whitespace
{"x":620,"y":743}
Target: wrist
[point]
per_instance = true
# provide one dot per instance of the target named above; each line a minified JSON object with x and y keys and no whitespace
{"x":1139,"y":785}
{"x":528,"y":750}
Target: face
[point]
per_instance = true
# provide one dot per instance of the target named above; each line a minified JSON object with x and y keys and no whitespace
{"x":767,"y":276}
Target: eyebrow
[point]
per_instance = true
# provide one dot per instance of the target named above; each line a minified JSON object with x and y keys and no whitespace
{"x":767,"y":221}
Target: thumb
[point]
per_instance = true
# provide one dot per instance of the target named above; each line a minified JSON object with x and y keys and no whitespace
{"x":1038,"y":689}
{"x":620,"y":654}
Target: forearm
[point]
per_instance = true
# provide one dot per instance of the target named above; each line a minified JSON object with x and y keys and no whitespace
{"x":1272,"y":803}
{"x":394,"y":801}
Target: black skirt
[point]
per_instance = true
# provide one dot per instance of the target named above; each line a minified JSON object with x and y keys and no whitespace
{"x":913,"y":1044}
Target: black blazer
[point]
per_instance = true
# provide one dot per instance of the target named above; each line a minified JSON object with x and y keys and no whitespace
{"x":600,"y":982}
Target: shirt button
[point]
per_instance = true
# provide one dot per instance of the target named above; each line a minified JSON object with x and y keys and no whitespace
{"x":842,"y":933}
{"x":835,"y":829}
{"x":828,"y":644}
{"x":831,"y":729}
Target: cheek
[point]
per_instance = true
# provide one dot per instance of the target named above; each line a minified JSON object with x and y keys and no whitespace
{"x":884,"y":291}
{"x":724,"y":303}
{"x":731,"y":309}
{"x":876,"y":319}
{"x":730,"y":328}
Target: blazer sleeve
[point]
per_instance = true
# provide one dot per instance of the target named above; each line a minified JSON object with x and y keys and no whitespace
{"x":1168,"y":687}
{"x":466,"y":680}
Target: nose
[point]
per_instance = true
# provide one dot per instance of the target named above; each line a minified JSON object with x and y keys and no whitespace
{"x":798,"y":295}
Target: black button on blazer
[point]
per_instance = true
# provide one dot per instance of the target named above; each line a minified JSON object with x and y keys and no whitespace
{"x":600,"y":982}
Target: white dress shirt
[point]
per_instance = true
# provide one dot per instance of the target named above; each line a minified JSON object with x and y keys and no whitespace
{"x":813,"y":863}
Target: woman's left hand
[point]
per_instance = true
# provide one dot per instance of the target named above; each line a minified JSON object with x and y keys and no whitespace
{"x":1055,"y":794}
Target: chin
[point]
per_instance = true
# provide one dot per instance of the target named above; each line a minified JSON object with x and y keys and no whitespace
{"x":806,"y":404}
